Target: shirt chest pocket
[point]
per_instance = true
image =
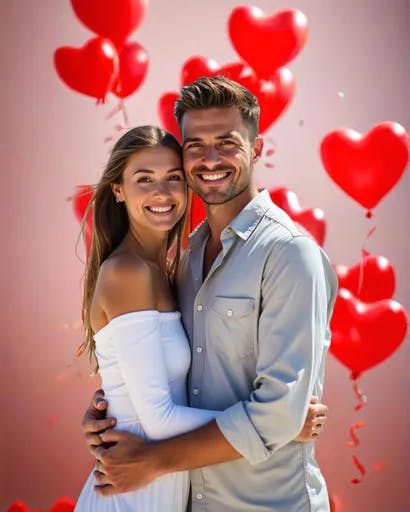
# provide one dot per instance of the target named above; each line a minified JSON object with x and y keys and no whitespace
{"x":230,"y":326}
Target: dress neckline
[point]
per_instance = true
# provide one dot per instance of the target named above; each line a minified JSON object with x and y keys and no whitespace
{"x":163,"y":315}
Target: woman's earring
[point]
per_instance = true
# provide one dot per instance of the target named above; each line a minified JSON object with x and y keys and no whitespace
{"x":117,"y":200}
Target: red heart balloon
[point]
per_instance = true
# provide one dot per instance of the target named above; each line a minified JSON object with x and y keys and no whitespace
{"x":197,"y":66}
{"x":81,"y":199}
{"x":367,"y":166}
{"x":364,"y":335}
{"x":273,"y":95}
{"x":370,"y":280}
{"x":267,"y":43}
{"x":91,"y":69}
{"x":197,"y":212}
{"x":63,"y":505}
{"x":133,"y":68}
{"x":312,"y":220}
{"x":18,"y":506}
{"x":114,"y":19}
{"x":166,"y":113}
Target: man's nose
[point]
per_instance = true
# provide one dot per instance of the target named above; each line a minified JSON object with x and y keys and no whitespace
{"x":210,"y":156}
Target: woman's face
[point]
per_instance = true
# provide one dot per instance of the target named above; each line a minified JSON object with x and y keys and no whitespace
{"x":153,"y":189}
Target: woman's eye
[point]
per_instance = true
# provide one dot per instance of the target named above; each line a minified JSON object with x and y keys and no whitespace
{"x":144,"y":179}
{"x":176,"y":177}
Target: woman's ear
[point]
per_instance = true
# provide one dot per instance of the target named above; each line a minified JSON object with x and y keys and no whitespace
{"x":117,"y":191}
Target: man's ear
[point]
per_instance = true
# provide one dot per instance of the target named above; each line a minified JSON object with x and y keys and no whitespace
{"x":257,"y":149}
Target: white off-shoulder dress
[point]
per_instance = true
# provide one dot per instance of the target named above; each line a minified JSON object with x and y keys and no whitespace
{"x":143,"y":361}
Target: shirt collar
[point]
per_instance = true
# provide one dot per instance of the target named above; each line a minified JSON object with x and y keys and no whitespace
{"x":243,"y":224}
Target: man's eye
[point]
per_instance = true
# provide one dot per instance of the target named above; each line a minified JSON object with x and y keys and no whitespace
{"x":193,"y":145}
{"x":227,"y":143}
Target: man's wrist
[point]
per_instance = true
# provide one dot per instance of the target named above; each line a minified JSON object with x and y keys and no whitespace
{"x":160,"y":459}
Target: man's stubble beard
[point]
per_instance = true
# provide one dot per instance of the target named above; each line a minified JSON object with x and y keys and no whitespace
{"x":229,"y":195}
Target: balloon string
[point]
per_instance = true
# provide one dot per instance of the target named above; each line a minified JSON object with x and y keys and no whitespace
{"x":120,"y":107}
{"x":361,"y":397}
{"x":352,"y":431}
{"x":361,"y":469}
{"x":364,"y":254}
{"x":354,"y":439}
{"x":124,"y":112}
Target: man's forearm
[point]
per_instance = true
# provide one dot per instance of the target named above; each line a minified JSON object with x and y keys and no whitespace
{"x":202,"y":447}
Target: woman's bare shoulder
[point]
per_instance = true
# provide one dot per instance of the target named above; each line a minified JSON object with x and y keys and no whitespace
{"x":125,"y":284}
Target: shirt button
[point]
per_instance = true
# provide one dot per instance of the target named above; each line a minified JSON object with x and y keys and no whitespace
{"x":199,"y":349}
{"x":199,"y":496}
{"x":200,"y":307}
{"x":229,"y":312}
{"x":195,"y":391}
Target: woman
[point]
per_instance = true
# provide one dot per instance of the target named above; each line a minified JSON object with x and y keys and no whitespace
{"x":129,"y":313}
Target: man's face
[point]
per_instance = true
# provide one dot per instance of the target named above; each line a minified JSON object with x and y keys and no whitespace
{"x":218,"y":154}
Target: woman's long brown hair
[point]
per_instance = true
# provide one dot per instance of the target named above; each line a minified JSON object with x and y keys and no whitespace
{"x":110,"y":219}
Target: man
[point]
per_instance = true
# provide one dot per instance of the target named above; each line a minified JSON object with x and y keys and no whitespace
{"x":256,"y":295}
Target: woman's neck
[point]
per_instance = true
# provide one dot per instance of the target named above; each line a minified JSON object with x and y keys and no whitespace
{"x":150,"y":246}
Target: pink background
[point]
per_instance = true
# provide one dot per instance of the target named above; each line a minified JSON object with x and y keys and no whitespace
{"x":52,"y":140}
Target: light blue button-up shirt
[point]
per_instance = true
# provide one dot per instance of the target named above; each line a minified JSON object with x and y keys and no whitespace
{"x":259,"y":331}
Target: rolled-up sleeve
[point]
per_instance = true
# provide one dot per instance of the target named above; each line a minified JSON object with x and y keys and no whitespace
{"x":292,"y":340}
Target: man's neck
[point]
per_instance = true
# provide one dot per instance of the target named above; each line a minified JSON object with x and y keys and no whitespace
{"x":220,"y":215}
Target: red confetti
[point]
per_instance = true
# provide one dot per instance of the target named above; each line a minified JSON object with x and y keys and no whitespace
{"x":378,"y":466}
{"x":51,"y":421}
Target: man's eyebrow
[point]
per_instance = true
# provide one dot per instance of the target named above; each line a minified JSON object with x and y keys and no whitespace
{"x":226,"y":135}
{"x":150,"y":171}
{"x":192,"y":139}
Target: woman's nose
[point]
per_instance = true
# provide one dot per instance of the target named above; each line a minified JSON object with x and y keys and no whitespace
{"x":162,"y":189}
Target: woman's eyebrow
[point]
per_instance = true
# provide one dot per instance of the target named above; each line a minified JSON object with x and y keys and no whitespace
{"x":151,"y":171}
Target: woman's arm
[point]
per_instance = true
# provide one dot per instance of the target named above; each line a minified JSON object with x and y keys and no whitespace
{"x":129,"y":301}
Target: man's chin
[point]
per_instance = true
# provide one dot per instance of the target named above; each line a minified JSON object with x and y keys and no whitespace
{"x":215,"y":199}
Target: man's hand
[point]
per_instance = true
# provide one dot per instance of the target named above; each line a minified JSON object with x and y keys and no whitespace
{"x":125,"y":466}
{"x":315,"y":419}
{"x":95,"y":421}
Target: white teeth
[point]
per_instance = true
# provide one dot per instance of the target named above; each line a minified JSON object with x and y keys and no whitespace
{"x":214,"y":176}
{"x":160,"y":209}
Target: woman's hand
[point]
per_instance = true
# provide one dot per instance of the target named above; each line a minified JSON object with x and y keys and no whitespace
{"x":315,"y":419}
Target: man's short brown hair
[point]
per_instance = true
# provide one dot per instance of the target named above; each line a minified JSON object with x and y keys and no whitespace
{"x":218,"y":92}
